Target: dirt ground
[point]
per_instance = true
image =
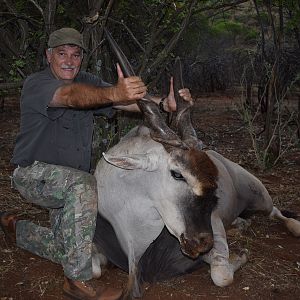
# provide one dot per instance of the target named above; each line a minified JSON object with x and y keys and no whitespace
{"x":273,"y":269}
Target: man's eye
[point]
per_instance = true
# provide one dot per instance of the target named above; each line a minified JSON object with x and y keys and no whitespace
{"x":177,"y":175}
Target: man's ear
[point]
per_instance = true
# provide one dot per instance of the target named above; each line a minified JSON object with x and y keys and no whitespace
{"x":48,"y":55}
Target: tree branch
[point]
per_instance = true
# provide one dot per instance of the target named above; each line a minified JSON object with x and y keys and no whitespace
{"x":38,"y":7}
{"x":130,"y":33}
{"x":169,"y":47}
{"x":218,"y":6}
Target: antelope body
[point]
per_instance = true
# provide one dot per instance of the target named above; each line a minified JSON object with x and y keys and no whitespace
{"x":142,"y":188}
{"x":149,"y":196}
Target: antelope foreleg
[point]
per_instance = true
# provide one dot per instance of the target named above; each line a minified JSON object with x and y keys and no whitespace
{"x":222,"y":266}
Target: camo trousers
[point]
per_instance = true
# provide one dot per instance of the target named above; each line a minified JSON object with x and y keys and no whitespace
{"x":70,"y":196}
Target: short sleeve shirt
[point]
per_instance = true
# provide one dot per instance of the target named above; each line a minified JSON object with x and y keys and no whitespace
{"x":61,"y":136}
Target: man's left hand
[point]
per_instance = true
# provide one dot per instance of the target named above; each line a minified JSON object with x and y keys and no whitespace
{"x":170,"y":102}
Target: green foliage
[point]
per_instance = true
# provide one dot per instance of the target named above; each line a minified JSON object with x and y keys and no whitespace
{"x":18,"y":64}
{"x":251,"y":34}
{"x":293,"y":22}
{"x":196,"y":32}
{"x":21,"y":5}
{"x":61,"y":9}
{"x":264,"y":18}
{"x":228,"y":27}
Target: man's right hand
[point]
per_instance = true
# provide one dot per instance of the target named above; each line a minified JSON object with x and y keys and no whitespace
{"x":128,"y":89}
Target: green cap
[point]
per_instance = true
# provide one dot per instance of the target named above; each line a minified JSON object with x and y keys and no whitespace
{"x":65,"y":36}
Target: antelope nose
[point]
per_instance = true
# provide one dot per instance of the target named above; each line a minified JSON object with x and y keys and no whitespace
{"x":193,"y":247}
{"x":206,"y":242}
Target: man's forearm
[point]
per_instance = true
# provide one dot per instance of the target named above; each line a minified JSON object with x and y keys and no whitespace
{"x":84,"y":96}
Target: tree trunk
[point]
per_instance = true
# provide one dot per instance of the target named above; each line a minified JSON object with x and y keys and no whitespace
{"x":269,"y":109}
{"x":298,"y":122}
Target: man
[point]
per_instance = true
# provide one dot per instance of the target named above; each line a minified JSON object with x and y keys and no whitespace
{"x":53,"y":155}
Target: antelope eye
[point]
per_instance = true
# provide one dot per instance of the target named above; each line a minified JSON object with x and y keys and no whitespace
{"x":177,"y":175}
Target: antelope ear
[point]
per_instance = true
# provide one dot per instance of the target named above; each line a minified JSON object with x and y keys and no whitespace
{"x":147,"y":162}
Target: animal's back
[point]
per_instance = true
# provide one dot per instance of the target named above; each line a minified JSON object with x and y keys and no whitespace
{"x":248,"y":194}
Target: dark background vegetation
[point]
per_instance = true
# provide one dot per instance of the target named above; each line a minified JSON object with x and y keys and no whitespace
{"x":252,"y":47}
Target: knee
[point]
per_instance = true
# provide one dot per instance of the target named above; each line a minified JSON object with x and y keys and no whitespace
{"x":85,"y":183}
{"x":84,"y":189}
{"x":222,"y":275}
{"x":86,"y":179}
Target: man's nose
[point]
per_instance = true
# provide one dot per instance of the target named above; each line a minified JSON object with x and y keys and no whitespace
{"x":69,"y":60}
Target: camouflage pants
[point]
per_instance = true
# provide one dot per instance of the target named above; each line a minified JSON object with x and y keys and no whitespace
{"x":70,"y":196}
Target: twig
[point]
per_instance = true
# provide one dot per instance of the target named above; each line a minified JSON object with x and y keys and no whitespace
{"x":38,"y":7}
{"x":130,"y":33}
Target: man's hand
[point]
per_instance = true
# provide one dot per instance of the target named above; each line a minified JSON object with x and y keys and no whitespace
{"x":170,"y":102}
{"x":128,"y":89}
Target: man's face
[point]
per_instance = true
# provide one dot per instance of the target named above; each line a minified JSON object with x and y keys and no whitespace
{"x":65,"y":61}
